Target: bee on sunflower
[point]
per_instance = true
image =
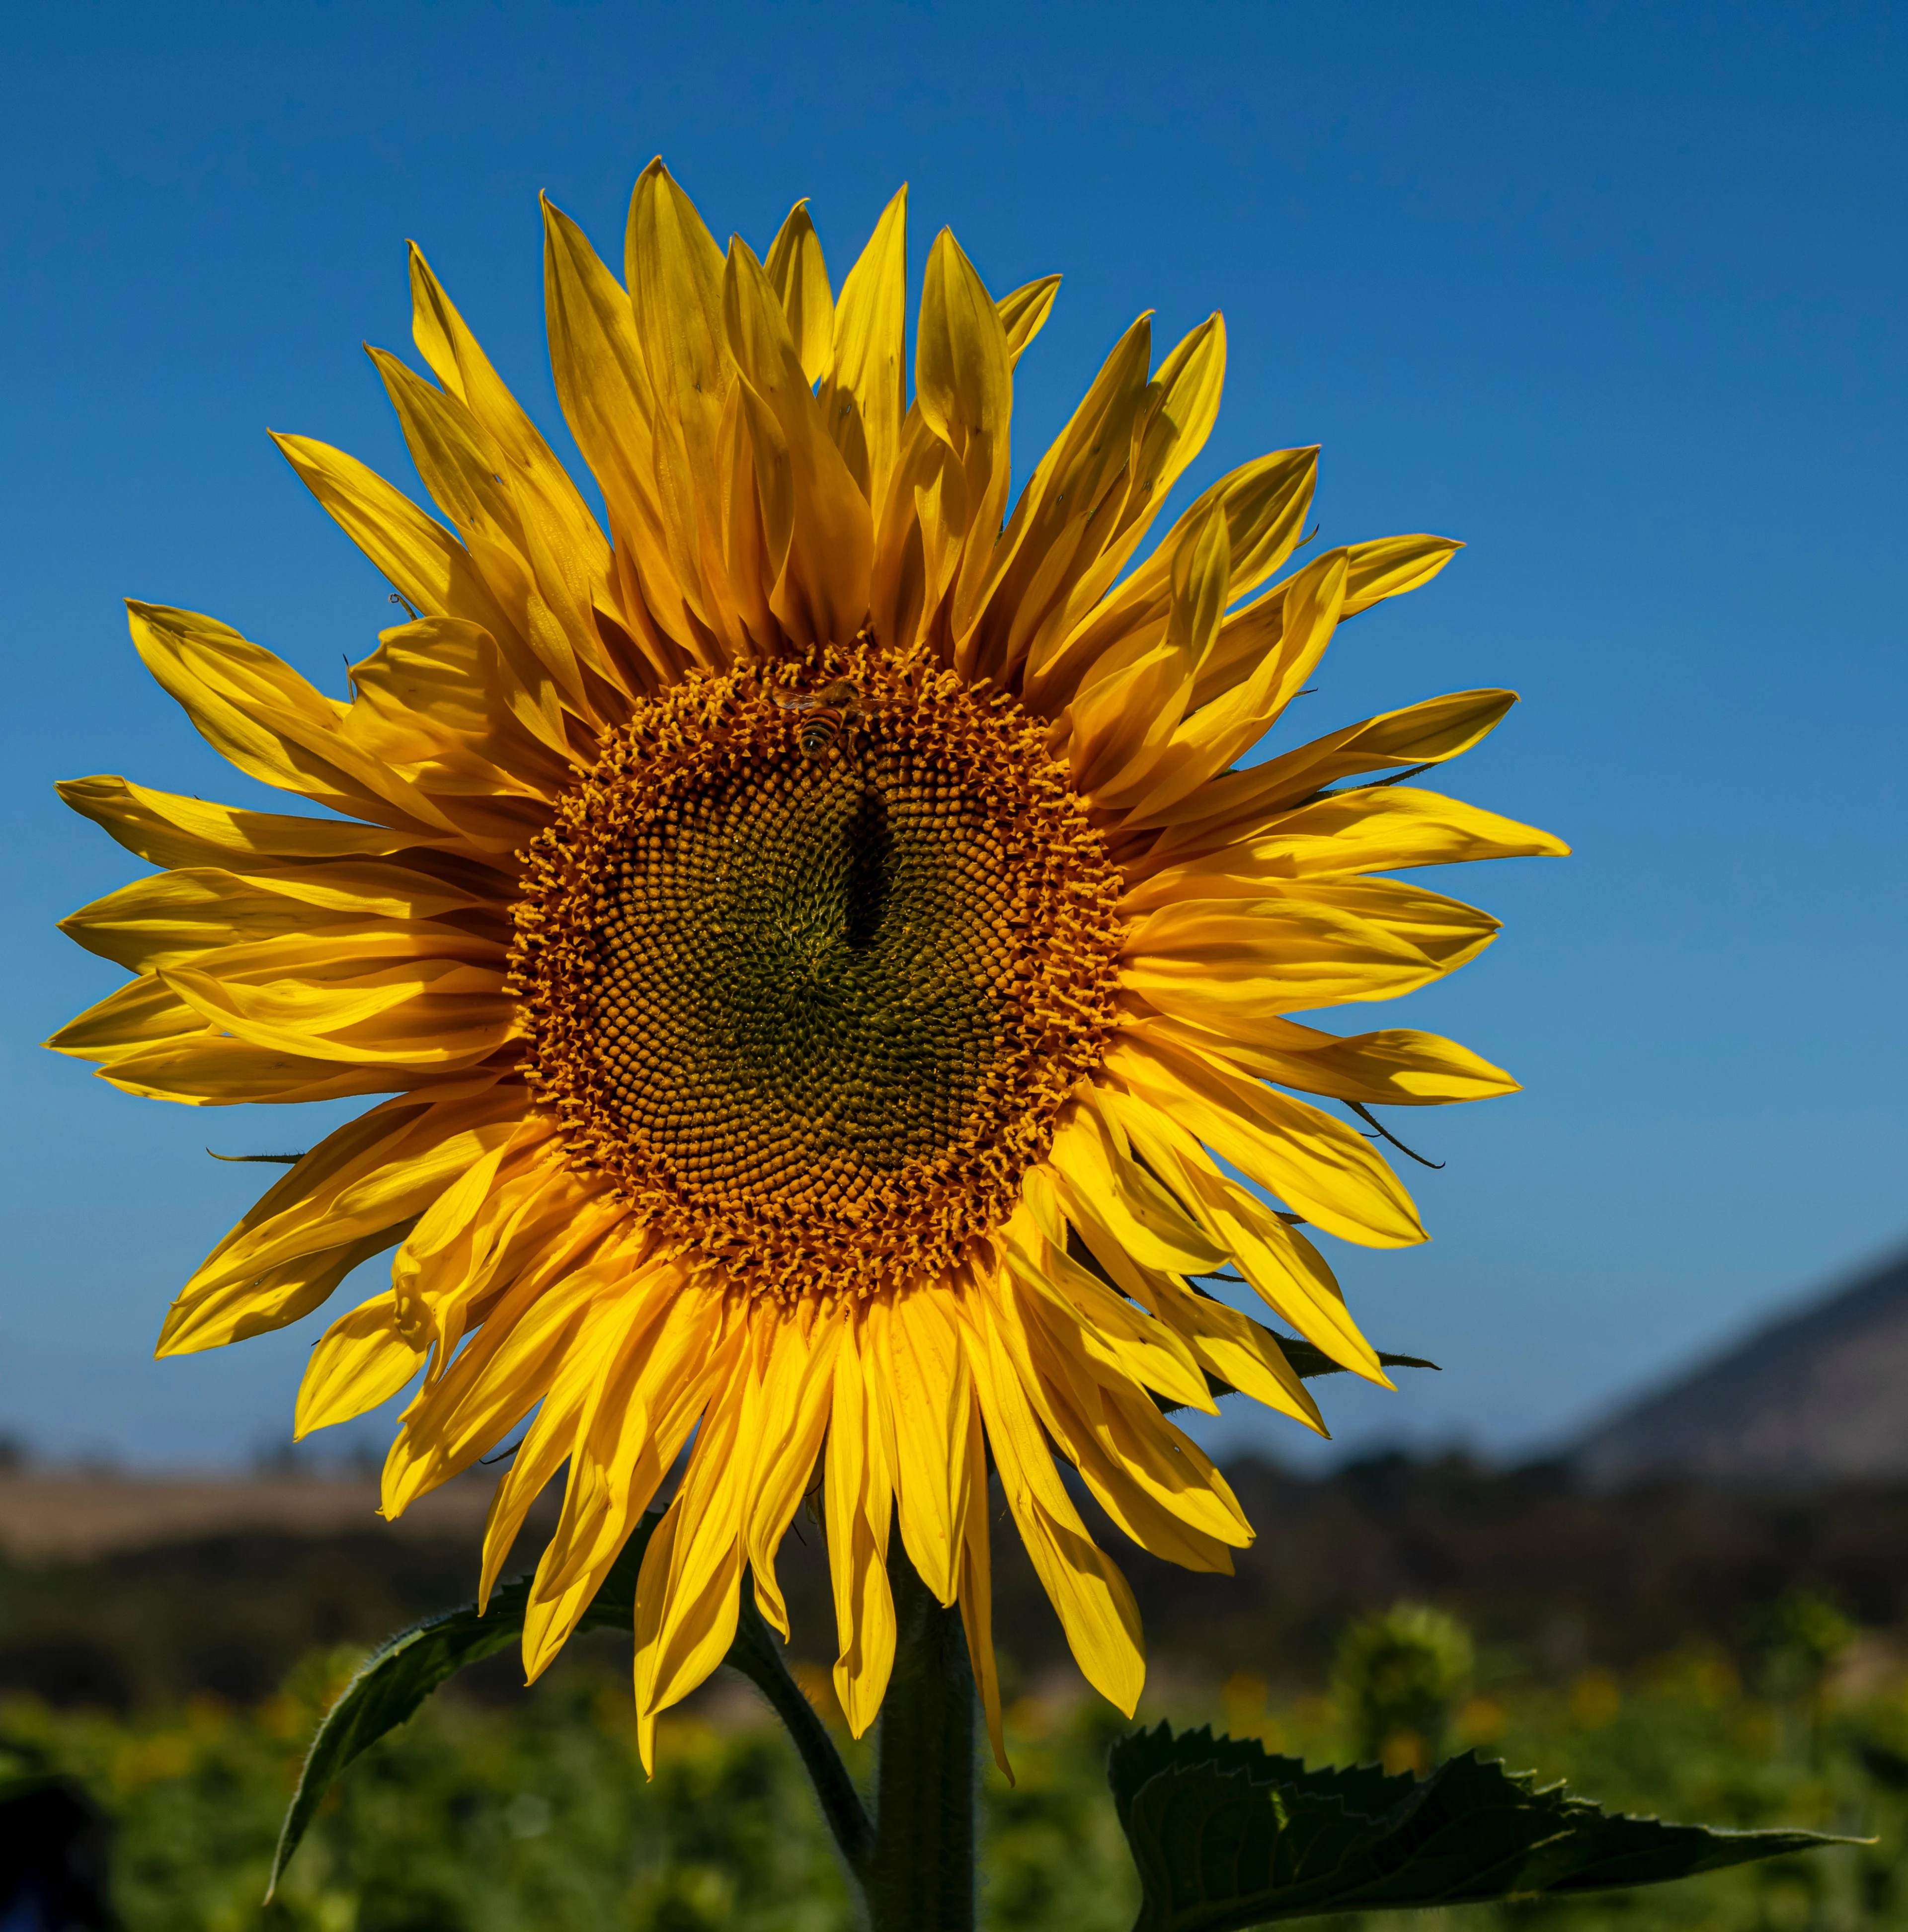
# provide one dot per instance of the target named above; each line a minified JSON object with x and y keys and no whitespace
{"x":831,"y":971}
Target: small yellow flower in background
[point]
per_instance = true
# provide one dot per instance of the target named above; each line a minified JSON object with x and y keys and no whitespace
{"x":824,"y":960}
{"x":1595,"y":1698}
{"x":1479,"y":1720}
{"x":1242,"y":1702}
{"x":140,"y":1761}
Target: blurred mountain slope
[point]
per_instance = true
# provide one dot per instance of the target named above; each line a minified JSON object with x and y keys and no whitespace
{"x":1818,"y":1396}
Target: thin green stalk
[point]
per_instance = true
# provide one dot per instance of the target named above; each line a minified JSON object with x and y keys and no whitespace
{"x":757,"y":1654}
{"x":921,"y":1878}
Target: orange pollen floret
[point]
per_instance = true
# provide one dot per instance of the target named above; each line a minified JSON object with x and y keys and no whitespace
{"x":810,"y":961}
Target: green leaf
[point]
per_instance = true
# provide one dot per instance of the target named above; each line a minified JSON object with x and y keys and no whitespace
{"x":1227,"y":1836}
{"x":404,"y":1669}
{"x":1308,"y":1362}
{"x":397,"y":1677}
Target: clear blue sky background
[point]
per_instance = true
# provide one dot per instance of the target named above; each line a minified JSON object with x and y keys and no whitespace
{"x":1613,"y":292}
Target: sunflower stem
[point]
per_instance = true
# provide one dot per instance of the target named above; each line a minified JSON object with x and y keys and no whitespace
{"x":921,"y":1878}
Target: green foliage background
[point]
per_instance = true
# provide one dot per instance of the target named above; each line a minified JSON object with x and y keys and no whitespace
{"x":482,"y":1815}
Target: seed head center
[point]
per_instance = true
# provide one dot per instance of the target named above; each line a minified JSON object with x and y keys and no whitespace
{"x":810,"y":961}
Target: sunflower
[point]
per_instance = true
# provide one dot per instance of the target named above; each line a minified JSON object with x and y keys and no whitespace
{"x":830,"y":969}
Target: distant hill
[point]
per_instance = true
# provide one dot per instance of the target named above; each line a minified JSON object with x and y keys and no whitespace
{"x":1820,"y":1395}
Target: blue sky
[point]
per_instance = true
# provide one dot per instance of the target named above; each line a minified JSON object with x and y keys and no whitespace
{"x":1613,"y":293}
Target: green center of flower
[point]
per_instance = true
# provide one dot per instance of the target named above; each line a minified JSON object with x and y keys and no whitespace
{"x":800,"y":972}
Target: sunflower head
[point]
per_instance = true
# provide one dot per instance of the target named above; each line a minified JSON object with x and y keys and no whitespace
{"x":827,"y":939}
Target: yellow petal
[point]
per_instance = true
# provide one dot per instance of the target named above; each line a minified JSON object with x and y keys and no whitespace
{"x":421,"y":560}
{"x":1247,"y":959}
{"x":519,"y":1215}
{"x":460,"y":468}
{"x":964,"y":389}
{"x":1146,"y":1242}
{"x":603,"y":384}
{"x":1319,"y":1168}
{"x":800,"y":277}
{"x":1149,"y":1477}
{"x":1095,"y":1607}
{"x":1096,"y":1421}
{"x":639,"y":1415}
{"x":545,"y":1338}
{"x":1386,"y":567}
{"x":270,"y":1299}
{"x":255,"y":711}
{"x":1131,"y":769}
{"x":822,"y":591}
{"x":977,"y":1590}
{"x":1023,"y":313}
{"x":565,"y":547}
{"x":558,"y":536}
{"x":361,"y":1360}
{"x":1102,"y":722}
{"x":545,"y":1447}
{"x":368,"y":1181}
{"x":1448,"y":932}
{"x":212,"y":1070}
{"x":377,"y":995}
{"x":1064,"y":518}
{"x":145,"y":1013}
{"x":688,"y":1644}
{"x":759,"y":527}
{"x":656,"y":1560}
{"x":1283,"y":1269}
{"x":1389,"y":566}
{"x":1438,"y":729}
{"x":1370,"y":829}
{"x":864,"y":393}
{"x":798,"y":1395}
{"x":1106,"y":1330}
{"x":688,"y":1601}
{"x":918,"y":537}
{"x":1263,"y":503}
{"x":1238,"y":1351}
{"x":1102,"y":1442}
{"x":1173,"y":427}
{"x":169,"y":829}
{"x":1230,"y":809}
{"x":1220,"y":732}
{"x":149,"y":1041}
{"x":1395,"y":1068}
{"x":858,"y":1503}
{"x":567,"y":1374}
{"x":918,"y":1346}
{"x":432,"y":699}
{"x":1139,"y":1215}
{"x":173,"y":916}
{"x":674,"y":271}
{"x":1160,"y":1471}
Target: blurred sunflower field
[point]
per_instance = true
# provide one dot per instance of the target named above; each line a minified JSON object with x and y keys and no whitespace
{"x":495,"y":1809}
